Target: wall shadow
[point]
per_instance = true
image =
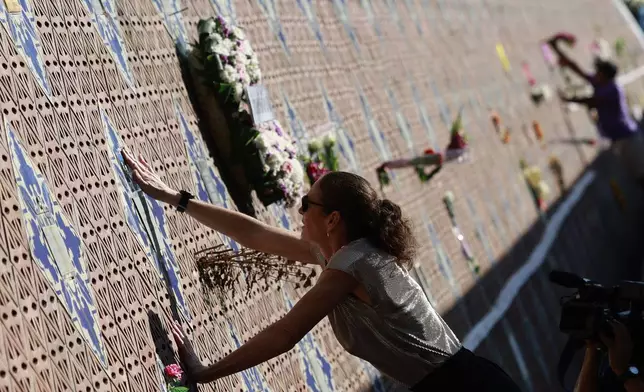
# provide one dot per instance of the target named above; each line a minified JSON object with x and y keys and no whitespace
{"x":597,"y":240}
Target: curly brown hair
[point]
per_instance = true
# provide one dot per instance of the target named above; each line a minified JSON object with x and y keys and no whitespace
{"x":380,"y":221}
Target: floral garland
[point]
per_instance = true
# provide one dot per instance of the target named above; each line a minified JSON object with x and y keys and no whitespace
{"x":322,"y":158}
{"x":456,"y":149}
{"x":227,"y":46}
{"x":267,"y":152}
{"x":173,"y":374}
{"x":537,"y":185}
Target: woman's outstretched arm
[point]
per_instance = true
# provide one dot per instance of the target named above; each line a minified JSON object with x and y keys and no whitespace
{"x":331,"y":289}
{"x":248,"y":231}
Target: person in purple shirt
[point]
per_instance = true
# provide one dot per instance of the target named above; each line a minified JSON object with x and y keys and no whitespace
{"x":613,"y":118}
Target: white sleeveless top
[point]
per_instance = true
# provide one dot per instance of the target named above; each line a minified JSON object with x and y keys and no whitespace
{"x":400,"y":333}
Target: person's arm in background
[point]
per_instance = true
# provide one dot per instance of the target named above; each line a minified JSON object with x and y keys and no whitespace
{"x":568,"y":62}
{"x":248,"y":231}
{"x":588,"y":376}
{"x":620,"y":353}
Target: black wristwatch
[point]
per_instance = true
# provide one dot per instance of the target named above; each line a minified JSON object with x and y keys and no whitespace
{"x":631,"y":372}
{"x":183,"y":201}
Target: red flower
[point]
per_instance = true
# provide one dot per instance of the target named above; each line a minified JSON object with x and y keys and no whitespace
{"x":568,"y":38}
{"x":315,"y":170}
{"x":173,"y":371}
{"x":542,"y":204}
{"x":457,"y":142}
{"x":429,"y":151}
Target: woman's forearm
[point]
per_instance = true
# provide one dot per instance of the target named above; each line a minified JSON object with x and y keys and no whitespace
{"x":242,"y":228}
{"x":268,"y":344}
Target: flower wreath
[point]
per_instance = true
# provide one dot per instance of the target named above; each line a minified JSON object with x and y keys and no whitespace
{"x":266,"y":152}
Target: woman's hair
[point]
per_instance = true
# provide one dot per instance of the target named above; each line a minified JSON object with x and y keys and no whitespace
{"x":367,"y":216}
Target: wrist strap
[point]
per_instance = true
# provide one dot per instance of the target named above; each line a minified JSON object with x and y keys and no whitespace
{"x":183,"y":201}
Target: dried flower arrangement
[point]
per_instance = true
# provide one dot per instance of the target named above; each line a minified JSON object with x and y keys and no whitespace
{"x":221,"y":268}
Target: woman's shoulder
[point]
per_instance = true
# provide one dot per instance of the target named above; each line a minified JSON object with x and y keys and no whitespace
{"x":359,"y":250}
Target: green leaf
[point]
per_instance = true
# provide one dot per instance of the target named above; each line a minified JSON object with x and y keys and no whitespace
{"x":253,"y":137}
{"x":178,"y":389}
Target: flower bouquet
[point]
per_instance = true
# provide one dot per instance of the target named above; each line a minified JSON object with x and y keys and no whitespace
{"x":173,"y":374}
{"x":322,"y":158}
{"x":555,"y":166}
{"x":258,"y":157}
{"x":536,"y":184}
{"x":540,"y":93}
{"x":458,"y":142}
{"x":505,"y":138}
{"x":281,"y":172}
{"x":496,"y":121}
{"x":538,"y":132}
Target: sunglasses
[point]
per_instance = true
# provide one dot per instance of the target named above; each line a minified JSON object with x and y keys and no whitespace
{"x":306,"y":203}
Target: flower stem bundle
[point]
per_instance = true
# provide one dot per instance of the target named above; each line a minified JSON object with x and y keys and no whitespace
{"x":221,"y":269}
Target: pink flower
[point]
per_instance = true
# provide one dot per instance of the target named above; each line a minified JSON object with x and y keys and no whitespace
{"x":287,"y":167}
{"x":173,"y":371}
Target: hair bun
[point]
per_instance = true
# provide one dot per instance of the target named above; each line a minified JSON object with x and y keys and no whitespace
{"x":388,"y":211}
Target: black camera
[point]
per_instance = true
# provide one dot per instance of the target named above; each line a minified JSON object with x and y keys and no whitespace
{"x":586,"y":314}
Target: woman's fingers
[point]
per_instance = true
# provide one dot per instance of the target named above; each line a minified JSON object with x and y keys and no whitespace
{"x":144,"y":163}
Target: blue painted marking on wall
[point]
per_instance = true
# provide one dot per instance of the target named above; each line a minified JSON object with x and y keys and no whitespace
{"x":22,"y":28}
{"x":413,"y":13}
{"x":481,"y":234}
{"x":298,"y":130}
{"x":377,"y":136}
{"x":444,"y":262}
{"x":425,"y":119}
{"x":345,"y":141}
{"x":197,"y":156}
{"x":373,"y":21}
{"x":225,"y":8}
{"x":308,"y":9}
{"x":403,"y":124}
{"x":253,"y":378}
{"x":152,"y":235}
{"x":40,"y":210}
{"x":444,"y":110}
{"x":317,"y":370}
{"x":104,"y":17}
{"x":395,"y":16}
{"x":171,"y":12}
{"x":270,"y":10}
{"x":340,"y":7}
